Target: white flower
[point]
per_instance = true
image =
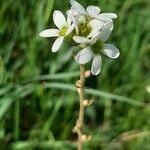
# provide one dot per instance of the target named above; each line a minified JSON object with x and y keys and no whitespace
{"x":91,"y":12}
{"x":65,"y":27}
{"x":95,"y":46}
{"x":88,"y":22}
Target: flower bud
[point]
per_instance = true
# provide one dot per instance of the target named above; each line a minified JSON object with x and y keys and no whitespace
{"x":88,"y":102}
{"x":86,"y":138}
{"x":79,"y":84}
{"x":87,"y":73}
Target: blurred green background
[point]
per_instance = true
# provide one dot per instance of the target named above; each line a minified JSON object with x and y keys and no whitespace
{"x":38,"y":100}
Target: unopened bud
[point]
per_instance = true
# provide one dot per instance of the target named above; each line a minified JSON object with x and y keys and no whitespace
{"x":86,"y":138}
{"x":74,"y":130}
{"x":87,"y":73}
{"x":88,"y":102}
{"x":85,"y":102}
{"x":79,"y":84}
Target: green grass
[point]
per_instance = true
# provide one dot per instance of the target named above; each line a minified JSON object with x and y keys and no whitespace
{"x":38,"y":100}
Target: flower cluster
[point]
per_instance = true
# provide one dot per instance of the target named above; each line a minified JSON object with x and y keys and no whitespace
{"x":89,"y":29}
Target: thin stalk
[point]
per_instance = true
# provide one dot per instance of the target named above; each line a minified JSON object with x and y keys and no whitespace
{"x":79,"y":124}
{"x":81,"y":95}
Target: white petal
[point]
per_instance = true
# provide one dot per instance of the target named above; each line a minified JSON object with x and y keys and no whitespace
{"x":72,"y":18}
{"x":96,"y":64}
{"x":93,"y":11}
{"x":111,"y":51}
{"x":94,"y":38}
{"x":59,"y":19}
{"x":96,"y":26}
{"x":84,"y":55}
{"x":104,"y":19}
{"x":73,"y":12}
{"x":108,"y":15}
{"x":57,"y":44}
{"x":106,"y":31}
{"x":78,"y":7}
{"x":49,"y":33}
{"x":81,"y":40}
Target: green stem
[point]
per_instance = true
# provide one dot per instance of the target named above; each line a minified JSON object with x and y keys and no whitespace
{"x":81,"y":110}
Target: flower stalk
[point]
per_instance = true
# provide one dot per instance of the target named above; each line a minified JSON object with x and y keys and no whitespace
{"x":80,"y":121}
{"x":81,"y":95}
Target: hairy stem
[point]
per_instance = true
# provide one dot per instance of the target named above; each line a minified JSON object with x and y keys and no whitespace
{"x":79,"y":123}
{"x":81,"y":95}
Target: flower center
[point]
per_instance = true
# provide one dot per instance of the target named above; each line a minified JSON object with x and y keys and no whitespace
{"x":63,"y":31}
{"x":83,"y":26}
{"x":97,"y":47}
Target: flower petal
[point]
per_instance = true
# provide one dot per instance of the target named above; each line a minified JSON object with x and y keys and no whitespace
{"x":73,"y":14}
{"x":111,"y":51}
{"x":59,"y":19}
{"x":108,"y":15}
{"x":93,"y":11}
{"x":96,"y":26}
{"x":57,"y":44}
{"x":84,"y":55}
{"x":81,"y":40}
{"x":96,"y":64}
{"x":104,"y":19}
{"x":78,"y":7}
{"x":106,"y":31}
{"x":49,"y":33}
{"x":94,"y":38}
